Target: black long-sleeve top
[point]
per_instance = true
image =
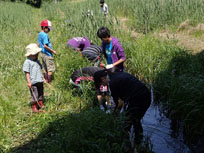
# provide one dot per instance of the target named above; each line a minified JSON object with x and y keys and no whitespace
{"x":125,"y":86}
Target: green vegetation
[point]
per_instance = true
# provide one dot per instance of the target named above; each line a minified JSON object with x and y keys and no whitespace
{"x":69,"y":122}
{"x":147,"y":15}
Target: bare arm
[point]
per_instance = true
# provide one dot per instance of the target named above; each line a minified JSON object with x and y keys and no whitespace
{"x":99,"y":97}
{"x":118,"y":62}
{"x":49,"y":49}
{"x":28,"y":79}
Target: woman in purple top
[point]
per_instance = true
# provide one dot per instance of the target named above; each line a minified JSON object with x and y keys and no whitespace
{"x":79,"y":43}
{"x":112,"y":49}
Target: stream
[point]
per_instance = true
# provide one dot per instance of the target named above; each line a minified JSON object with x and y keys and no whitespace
{"x":158,"y":128}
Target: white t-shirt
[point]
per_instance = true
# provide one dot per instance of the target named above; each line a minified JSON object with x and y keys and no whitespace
{"x":104,"y":9}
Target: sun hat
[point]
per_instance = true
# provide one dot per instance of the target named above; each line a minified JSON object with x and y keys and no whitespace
{"x":46,"y":23}
{"x":32,"y":49}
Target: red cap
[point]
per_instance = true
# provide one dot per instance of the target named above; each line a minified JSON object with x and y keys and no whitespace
{"x":46,"y":23}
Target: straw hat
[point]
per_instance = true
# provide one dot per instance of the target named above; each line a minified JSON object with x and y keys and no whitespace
{"x":32,"y":49}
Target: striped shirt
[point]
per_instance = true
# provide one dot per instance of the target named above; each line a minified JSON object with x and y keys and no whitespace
{"x":92,"y":52}
{"x":33,"y":67}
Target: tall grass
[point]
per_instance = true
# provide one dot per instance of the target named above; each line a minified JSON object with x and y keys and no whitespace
{"x":147,"y":15}
{"x":69,"y":116}
{"x":19,"y":125}
{"x":182,"y":91}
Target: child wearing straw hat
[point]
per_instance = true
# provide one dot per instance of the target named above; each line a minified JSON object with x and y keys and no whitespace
{"x":34,"y":77}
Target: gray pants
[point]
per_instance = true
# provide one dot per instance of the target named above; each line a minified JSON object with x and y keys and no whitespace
{"x":38,"y":92}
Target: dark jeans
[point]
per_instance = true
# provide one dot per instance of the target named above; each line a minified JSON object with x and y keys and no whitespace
{"x":38,"y":92}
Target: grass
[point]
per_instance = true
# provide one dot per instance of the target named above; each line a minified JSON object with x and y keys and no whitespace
{"x":70,"y":122}
{"x":182,"y":91}
{"x":147,"y":15}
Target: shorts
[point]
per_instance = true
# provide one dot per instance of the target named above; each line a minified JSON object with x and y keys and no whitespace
{"x":48,"y":63}
{"x":37,"y":92}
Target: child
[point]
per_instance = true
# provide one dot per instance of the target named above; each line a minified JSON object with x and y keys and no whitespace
{"x":47,"y":51}
{"x":104,"y":7}
{"x":34,"y":77}
{"x":112,"y":49}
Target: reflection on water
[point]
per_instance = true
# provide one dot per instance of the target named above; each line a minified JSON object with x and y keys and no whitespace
{"x":158,"y":128}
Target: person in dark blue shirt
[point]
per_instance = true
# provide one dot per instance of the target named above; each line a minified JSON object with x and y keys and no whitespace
{"x":132,"y":91}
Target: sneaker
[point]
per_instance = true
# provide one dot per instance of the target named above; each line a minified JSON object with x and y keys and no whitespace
{"x":122,"y":110}
{"x":108,"y":111}
{"x":102,"y":108}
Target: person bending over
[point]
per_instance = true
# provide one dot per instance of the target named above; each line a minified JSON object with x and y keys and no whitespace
{"x":132,"y":91}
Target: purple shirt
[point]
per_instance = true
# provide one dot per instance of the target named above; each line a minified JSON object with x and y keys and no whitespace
{"x":79,"y":42}
{"x":117,"y":52}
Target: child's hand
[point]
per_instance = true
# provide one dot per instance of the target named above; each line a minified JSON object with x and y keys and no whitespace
{"x":54,"y":52}
{"x":102,"y":65}
{"x":44,"y":81}
{"x":29,"y":85}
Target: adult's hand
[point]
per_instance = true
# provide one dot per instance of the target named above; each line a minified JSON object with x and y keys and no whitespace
{"x":109,"y":66}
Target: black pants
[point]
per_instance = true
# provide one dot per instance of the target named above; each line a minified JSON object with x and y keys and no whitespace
{"x":137,"y":107}
{"x":37,"y":92}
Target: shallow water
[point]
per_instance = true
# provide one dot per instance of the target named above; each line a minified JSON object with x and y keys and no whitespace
{"x":158,"y":128}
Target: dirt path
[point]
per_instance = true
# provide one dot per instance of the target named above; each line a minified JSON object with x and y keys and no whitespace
{"x":183,"y":35}
{"x":185,"y":40}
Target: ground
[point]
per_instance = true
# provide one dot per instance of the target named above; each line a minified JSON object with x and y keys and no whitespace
{"x":187,"y":36}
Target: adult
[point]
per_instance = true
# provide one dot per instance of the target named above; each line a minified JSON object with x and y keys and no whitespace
{"x":112,"y":50}
{"x":133,"y":92}
{"x":78,"y":43}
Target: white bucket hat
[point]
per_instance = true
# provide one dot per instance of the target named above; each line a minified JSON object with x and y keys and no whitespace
{"x":32,"y":49}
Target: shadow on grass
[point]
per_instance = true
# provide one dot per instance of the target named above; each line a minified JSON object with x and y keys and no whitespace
{"x":180,"y":88}
{"x":90,"y":131}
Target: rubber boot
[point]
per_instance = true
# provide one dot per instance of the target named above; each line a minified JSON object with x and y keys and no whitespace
{"x":41,"y":105}
{"x":34,"y":108}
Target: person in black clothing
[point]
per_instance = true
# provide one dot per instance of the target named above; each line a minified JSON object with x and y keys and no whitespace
{"x":82,"y":74}
{"x":133,"y":92}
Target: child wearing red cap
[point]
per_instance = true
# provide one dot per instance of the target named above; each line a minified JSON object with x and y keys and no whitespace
{"x":47,"y":50}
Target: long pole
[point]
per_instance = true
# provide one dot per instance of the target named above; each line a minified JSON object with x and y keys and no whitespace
{"x":34,"y":96}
